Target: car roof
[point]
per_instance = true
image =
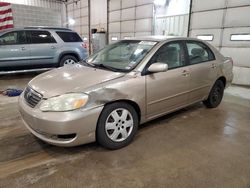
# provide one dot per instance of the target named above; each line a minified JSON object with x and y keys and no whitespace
{"x":160,"y":38}
{"x":37,"y":28}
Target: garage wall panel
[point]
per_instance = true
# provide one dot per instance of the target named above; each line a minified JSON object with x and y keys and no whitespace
{"x":128,"y":14}
{"x":84,"y":11}
{"x":79,"y":12}
{"x":143,"y":25}
{"x":25,"y":15}
{"x":207,"y":20}
{"x":115,"y":27}
{"x":84,"y":21}
{"x":237,"y":17}
{"x":241,"y":75}
{"x":127,"y":3}
{"x":84,"y":3}
{"x":128,"y":26}
{"x":232,"y":31}
{"x":99,"y":14}
{"x":114,"y":5}
{"x":115,"y":16}
{"x":233,"y":3}
{"x":201,"y":5}
{"x":52,"y":4}
{"x":143,"y":2}
{"x":205,"y":32}
{"x":128,"y":17}
{"x":240,"y":55}
{"x":127,"y":35}
{"x":139,"y":34}
{"x":113,"y":37}
{"x":144,"y":11}
{"x":230,"y":19}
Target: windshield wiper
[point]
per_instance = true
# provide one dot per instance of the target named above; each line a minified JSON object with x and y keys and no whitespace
{"x":101,"y":65}
{"x":86,"y":63}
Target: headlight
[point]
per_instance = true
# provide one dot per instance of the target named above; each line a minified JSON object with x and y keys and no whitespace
{"x":66,"y":102}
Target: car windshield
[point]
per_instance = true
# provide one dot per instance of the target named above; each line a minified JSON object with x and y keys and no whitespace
{"x":122,"y":56}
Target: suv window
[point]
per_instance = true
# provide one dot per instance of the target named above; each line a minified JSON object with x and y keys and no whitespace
{"x":15,"y":37}
{"x":198,"y":52}
{"x":38,"y":37}
{"x":171,"y":54}
{"x":69,"y":36}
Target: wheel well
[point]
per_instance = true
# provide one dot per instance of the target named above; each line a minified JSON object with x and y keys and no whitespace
{"x":132,"y":103}
{"x":223,"y":79}
{"x":72,"y":54}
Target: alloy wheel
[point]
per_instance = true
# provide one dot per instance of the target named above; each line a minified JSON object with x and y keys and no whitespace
{"x":119,"y":125}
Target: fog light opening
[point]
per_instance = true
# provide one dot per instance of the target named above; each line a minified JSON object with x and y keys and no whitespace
{"x":66,"y":136}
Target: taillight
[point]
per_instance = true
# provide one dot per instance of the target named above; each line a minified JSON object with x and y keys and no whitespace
{"x":84,"y":45}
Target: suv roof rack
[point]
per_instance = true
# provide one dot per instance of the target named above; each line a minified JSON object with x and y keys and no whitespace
{"x":47,"y":27}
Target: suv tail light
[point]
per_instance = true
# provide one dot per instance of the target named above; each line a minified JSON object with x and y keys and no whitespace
{"x":84,"y":45}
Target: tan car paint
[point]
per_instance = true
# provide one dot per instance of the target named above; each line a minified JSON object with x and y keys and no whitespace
{"x":154,"y":94}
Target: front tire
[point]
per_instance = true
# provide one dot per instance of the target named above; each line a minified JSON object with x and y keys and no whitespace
{"x":215,"y":95}
{"x":117,"y":125}
{"x":68,"y":60}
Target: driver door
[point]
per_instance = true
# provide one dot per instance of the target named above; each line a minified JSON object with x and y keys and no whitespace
{"x":167,"y":91}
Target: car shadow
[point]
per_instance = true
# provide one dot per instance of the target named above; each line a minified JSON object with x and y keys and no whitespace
{"x":166,"y":118}
{"x":96,"y":147}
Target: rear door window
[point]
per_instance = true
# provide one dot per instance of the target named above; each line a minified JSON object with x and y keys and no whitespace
{"x":69,"y":36}
{"x":198,"y":52}
{"x":12,"y":38}
{"x":39,"y":37}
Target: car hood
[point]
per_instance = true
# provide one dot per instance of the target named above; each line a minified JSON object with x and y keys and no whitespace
{"x":70,"y":79}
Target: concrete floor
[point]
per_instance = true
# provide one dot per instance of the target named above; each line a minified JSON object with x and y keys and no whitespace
{"x":194,"y":147}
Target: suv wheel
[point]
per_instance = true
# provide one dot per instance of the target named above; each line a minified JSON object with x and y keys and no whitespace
{"x":68,"y":60}
{"x":117,"y":125}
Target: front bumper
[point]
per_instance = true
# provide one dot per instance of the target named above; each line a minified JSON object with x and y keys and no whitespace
{"x":61,"y":128}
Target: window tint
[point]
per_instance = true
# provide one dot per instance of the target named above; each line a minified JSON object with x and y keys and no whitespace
{"x":69,"y":36}
{"x":15,"y":37}
{"x":38,"y":37}
{"x":171,"y":54}
{"x":198,"y":52}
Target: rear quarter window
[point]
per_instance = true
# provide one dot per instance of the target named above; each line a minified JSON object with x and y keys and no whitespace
{"x":69,"y":36}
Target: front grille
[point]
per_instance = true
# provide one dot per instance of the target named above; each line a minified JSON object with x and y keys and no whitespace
{"x":32,"y":97}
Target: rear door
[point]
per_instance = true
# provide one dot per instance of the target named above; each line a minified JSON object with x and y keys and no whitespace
{"x":203,"y":70}
{"x":14,"y":50}
{"x":167,"y":91}
{"x":43,"y":47}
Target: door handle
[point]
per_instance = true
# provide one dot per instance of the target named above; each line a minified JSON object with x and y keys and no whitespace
{"x":23,"y":48}
{"x":185,"y":73}
{"x":213,"y":66}
{"x":52,"y":47}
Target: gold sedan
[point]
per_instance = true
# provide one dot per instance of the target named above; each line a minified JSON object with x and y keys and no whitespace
{"x":127,"y":83}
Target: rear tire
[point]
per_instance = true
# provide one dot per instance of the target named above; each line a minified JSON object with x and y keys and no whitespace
{"x":117,"y":125}
{"x":215,"y":95}
{"x":68,"y":60}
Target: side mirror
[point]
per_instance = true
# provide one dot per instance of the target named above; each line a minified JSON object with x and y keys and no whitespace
{"x":158,"y":67}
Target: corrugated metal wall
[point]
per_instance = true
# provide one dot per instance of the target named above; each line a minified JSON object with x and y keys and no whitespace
{"x":79,"y":12}
{"x":172,"y":25}
{"x":37,"y":12}
{"x":25,"y":15}
{"x":39,"y":3}
{"x":221,"y":19}
{"x":129,"y":18}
